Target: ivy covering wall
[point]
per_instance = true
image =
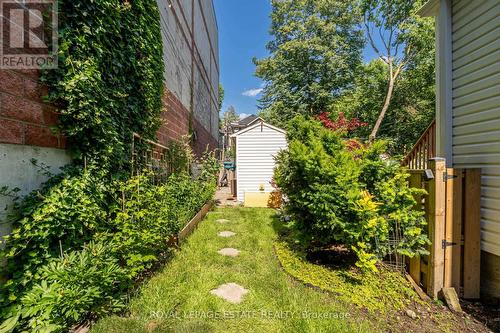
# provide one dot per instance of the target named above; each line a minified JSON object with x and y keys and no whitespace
{"x":110,"y":77}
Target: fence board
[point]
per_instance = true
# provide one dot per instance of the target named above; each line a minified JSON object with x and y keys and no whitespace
{"x":472,"y":233}
{"x":457,"y":230}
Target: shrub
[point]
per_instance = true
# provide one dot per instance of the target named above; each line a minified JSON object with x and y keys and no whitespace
{"x":73,"y":287}
{"x":62,"y":216}
{"x":57,"y":276}
{"x":337,"y":192}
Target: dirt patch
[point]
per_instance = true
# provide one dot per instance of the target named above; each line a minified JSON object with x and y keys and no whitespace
{"x":332,"y":256}
{"x":432,"y":317}
{"x":486,"y":313}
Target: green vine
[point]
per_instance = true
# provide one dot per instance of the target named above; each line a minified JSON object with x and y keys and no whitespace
{"x":110,"y":77}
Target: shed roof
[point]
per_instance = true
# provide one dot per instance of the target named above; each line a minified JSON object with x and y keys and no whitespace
{"x":261,"y":123}
{"x":248,"y":120}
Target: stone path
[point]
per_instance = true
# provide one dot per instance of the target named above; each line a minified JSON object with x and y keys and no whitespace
{"x":226,"y":234}
{"x":223,"y":197}
{"x":229,"y":252}
{"x":231,"y":292}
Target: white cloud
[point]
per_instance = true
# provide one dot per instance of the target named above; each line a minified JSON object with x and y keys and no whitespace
{"x":252,"y":92}
{"x":244,"y":115}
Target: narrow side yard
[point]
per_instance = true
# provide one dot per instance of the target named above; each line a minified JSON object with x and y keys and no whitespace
{"x":181,"y":297}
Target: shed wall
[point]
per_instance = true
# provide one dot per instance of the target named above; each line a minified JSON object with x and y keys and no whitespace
{"x":255,"y":152}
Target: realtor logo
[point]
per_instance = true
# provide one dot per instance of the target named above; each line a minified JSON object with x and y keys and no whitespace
{"x":29,"y":35}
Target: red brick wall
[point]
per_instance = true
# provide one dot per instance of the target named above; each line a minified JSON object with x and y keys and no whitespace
{"x":176,"y":125}
{"x":203,"y":139}
{"x":175,"y":119}
{"x":24,"y":118}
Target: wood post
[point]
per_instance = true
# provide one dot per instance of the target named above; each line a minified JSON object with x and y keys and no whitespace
{"x":453,"y":212}
{"x":472,"y":233}
{"x":436,"y":208}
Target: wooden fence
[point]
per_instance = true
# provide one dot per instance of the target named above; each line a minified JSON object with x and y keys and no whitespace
{"x":452,"y":210}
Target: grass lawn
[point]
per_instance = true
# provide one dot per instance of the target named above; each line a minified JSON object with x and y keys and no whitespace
{"x":178,"y":298}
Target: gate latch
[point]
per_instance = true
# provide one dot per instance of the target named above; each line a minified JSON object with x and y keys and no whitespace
{"x":447,"y":176}
{"x":445,"y":244}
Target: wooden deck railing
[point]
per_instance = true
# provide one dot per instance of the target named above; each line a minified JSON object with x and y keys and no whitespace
{"x":424,"y":149}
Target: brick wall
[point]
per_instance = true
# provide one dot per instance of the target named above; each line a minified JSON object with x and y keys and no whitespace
{"x":203,"y":139}
{"x":24,"y":118}
{"x":175,"y":119}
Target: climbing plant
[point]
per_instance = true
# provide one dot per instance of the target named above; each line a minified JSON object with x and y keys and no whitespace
{"x":110,"y":77}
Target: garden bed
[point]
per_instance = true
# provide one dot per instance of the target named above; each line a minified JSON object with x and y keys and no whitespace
{"x":193,"y":223}
{"x":382,"y":296}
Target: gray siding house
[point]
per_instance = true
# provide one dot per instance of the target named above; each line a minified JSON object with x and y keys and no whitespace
{"x":468,"y":109}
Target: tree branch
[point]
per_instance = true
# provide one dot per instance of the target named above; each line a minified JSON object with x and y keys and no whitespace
{"x":372,"y":43}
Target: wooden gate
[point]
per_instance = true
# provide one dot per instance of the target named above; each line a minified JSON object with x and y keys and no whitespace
{"x":452,"y":210}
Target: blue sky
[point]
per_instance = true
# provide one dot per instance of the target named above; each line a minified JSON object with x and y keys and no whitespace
{"x":243,"y":34}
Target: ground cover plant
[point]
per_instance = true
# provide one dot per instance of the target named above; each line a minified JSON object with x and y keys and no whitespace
{"x":342,"y":191}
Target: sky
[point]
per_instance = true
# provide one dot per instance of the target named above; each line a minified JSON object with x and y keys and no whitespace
{"x":243,"y":34}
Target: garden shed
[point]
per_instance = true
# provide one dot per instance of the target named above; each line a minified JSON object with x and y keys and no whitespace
{"x":255,"y":151}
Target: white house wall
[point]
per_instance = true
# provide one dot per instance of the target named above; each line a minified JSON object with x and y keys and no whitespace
{"x":476,"y":104}
{"x":255,"y":152}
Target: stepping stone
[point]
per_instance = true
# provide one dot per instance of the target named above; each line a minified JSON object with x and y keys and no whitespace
{"x":231,"y":292}
{"x":226,"y":234}
{"x":229,"y":252}
{"x":222,"y":221}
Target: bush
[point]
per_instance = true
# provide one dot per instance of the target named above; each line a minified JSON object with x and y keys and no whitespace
{"x":82,"y":283}
{"x":59,"y":272}
{"x":341,"y":191}
{"x":63,"y":215}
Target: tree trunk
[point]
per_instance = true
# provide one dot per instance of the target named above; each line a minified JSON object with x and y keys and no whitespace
{"x":381,"y":116}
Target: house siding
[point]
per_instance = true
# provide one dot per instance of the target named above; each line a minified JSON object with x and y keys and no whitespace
{"x":476,"y":105}
{"x":255,"y":153}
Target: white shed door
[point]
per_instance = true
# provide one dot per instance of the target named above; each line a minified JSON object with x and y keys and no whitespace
{"x":255,"y":152}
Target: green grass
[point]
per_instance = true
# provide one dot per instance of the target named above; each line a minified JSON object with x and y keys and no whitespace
{"x":178,"y":298}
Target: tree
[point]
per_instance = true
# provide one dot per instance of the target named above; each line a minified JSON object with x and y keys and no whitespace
{"x":230,"y":116}
{"x":221,"y":96}
{"x":395,"y":33}
{"x":315,"y":51}
{"x":411,"y":110}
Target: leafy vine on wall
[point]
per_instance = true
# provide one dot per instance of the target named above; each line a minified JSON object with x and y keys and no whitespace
{"x":109,"y":82}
